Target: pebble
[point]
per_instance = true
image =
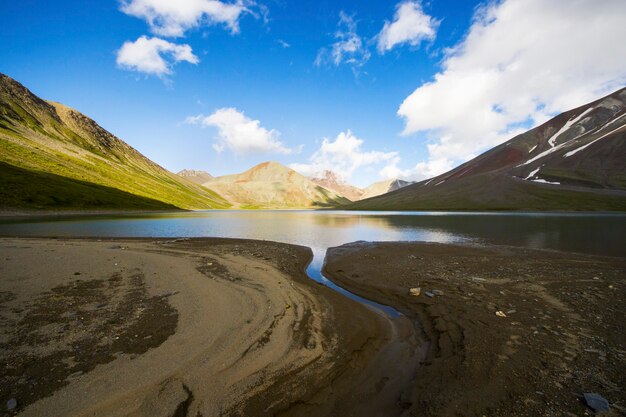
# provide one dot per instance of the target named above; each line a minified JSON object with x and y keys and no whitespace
{"x":11,"y":404}
{"x":429,"y":294}
{"x":415,"y":291}
{"x":500,"y":313}
{"x":437,"y":292}
{"x":597,"y":402}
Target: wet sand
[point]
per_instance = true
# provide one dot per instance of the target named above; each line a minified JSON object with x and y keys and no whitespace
{"x":200,"y":327}
{"x":561,"y":331}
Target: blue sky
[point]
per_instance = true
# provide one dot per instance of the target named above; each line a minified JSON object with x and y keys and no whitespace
{"x":412,"y":88}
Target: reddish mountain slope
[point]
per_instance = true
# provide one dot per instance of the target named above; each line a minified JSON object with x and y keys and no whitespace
{"x":575,"y":161}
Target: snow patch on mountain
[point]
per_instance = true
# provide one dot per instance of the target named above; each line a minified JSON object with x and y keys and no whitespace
{"x":567,"y":125}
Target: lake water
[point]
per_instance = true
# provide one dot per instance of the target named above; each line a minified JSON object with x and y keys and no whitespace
{"x":602,"y":234}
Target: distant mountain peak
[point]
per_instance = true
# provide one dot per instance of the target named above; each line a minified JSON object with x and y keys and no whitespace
{"x":192,"y":172}
{"x":195,"y":175}
{"x":335,"y":182}
{"x":273,"y":185}
{"x":330,"y":176}
{"x":383,"y":187}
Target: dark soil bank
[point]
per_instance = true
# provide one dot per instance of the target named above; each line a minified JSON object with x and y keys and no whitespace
{"x":513,"y":332}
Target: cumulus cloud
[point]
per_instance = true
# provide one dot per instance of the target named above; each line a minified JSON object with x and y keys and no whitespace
{"x":410,"y":25}
{"x":240,"y":134}
{"x":420,"y":171}
{"x":521,"y":62}
{"x":343,"y":155}
{"x":153,"y":56}
{"x":173,"y":18}
{"x":349,"y":47}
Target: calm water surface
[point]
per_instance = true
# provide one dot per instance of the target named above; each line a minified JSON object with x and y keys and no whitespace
{"x":602,"y":234}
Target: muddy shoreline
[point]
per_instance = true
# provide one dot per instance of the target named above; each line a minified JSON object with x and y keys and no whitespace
{"x":204,"y":327}
{"x":559,"y":332}
{"x":196,"y":327}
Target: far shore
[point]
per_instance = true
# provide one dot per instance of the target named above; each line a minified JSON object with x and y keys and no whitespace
{"x":32,"y":213}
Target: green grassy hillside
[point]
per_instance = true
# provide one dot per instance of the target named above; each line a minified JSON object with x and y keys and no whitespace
{"x":47,"y":141}
{"x":21,"y":188}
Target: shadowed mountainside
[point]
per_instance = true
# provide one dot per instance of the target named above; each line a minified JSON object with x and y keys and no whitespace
{"x":49,"y":140}
{"x":575,"y":161}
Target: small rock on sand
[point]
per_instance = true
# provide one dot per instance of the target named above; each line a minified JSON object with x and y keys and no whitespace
{"x":12,"y":403}
{"x":415,"y":291}
{"x":437,"y":292}
{"x":597,"y":402}
{"x":500,"y":313}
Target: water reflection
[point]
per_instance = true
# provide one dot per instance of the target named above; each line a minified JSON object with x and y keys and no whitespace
{"x":589,"y":233}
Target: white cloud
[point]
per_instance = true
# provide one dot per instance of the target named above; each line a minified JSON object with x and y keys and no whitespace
{"x":342,"y":156}
{"x":283,"y":43}
{"x":240,"y":134}
{"x":173,"y":17}
{"x":153,"y":55}
{"x":348,"y":49}
{"x":521,"y":62}
{"x":410,"y":25}
{"x":421,"y":171}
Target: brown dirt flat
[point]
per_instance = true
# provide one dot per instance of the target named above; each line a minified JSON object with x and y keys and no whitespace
{"x":564,"y":332}
{"x":189,"y":327}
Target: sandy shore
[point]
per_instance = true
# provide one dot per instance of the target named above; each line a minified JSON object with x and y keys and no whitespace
{"x":200,"y":327}
{"x":211,"y":327}
{"x":561,"y":331}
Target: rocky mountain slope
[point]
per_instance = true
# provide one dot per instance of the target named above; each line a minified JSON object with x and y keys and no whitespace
{"x":575,"y":161}
{"x":272,"y":185}
{"x":196,"y":176}
{"x":52,"y":156}
{"x":331,"y":180}
{"x":383,"y":187}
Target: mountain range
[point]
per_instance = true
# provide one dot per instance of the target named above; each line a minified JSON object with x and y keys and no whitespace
{"x":333,"y":182}
{"x":53,"y":157}
{"x":575,"y":161}
{"x":272,"y":185}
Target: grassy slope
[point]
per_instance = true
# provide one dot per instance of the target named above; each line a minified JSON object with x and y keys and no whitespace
{"x":21,"y":188}
{"x":492,"y":193}
{"x":47,"y":138}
